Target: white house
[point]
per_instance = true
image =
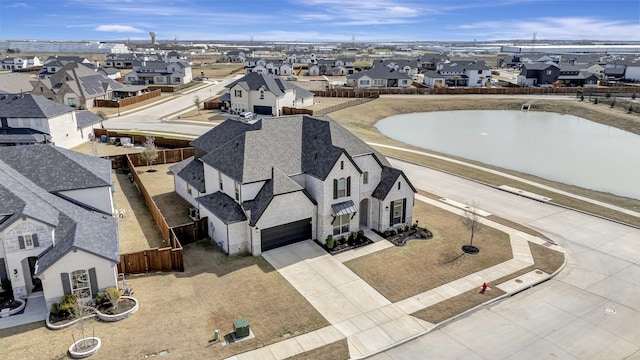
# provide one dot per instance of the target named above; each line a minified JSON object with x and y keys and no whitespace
{"x":32,"y":119}
{"x":264,"y":94}
{"x":434,"y":79}
{"x":263,"y":66}
{"x":281,"y":180}
{"x":379,"y":76}
{"x":471,"y":74}
{"x":159,"y":73}
{"x":57,"y":234}
{"x":20,"y":63}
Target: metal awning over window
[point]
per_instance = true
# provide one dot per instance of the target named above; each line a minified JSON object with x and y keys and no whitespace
{"x":346,"y":207}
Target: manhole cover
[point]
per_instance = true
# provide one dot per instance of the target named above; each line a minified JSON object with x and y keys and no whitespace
{"x":519,"y":281}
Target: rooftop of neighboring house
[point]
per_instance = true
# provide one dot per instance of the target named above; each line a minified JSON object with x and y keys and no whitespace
{"x":15,"y":83}
{"x":86,"y":118}
{"x":30,"y":106}
{"x":83,"y":79}
{"x":273,"y":84}
{"x":461,"y":66}
{"x":76,"y":226}
{"x":380,"y":72}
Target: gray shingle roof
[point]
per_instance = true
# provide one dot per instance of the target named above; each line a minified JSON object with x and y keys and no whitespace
{"x":380,"y":72}
{"x":23,"y":136}
{"x":86,"y":118}
{"x":387,"y":180}
{"x":31,"y":106}
{"x":292,"y":144}
{"x":190,"y":170}
{"x":223,"y":207}
{"x":279,"y":184}
{"x":76,"y":227}
{"x":253,"y":81}
{"x":56,"y":169}
{"x":15,"y":83}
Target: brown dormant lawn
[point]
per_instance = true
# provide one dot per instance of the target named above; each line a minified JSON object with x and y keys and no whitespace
{"x":421,"y":265}
{"x":180,"y":311}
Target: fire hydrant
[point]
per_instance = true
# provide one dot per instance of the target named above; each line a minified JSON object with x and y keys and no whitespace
{"x":484,"y":288}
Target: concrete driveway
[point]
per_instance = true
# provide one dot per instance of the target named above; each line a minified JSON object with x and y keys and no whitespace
{"x":589,"y":311}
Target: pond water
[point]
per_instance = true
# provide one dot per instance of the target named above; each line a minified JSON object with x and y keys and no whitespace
{"x":557,"y":147}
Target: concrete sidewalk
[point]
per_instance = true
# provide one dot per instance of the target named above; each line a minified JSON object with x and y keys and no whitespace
{"x":359,"y":313}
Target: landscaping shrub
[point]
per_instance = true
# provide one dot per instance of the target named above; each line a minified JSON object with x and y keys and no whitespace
{"x":68,"y":304}
{"x":414,"y":226}
{"x":613,"y":103}
{"x":595,"y":101}
{"x":407,"y":228}
{"x":101,"y":299}
{"x":633,"y":96}
{"x":361,"y":235}
{"x":113,"y":295}
{"x":387,"y":233}
{"x":581,"y":97}
{"x":330,"y":242}
{"x":392,"y":232}
{"x":607,"y":95}
{"x":55,"y":310}
{"x":8,"y":290}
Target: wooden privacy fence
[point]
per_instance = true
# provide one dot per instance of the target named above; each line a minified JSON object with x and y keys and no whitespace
{"x":345,"y":105}
{"x":127,"y":101}
{"x":164,"y":157}
{"x":167,"y":258}
{"x":294,"y":111}
{"x":366,"y":93}
{"x":160,"y":141}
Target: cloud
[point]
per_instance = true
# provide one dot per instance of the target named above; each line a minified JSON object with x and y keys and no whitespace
{"x":118,"y":28}
{"x":19,"y":5}
{"x":551,"y":28}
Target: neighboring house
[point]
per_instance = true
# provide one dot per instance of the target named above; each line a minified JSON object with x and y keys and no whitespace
{"x":264,"y":94}
{"x":281,"y":180}
{"x":469,"y":74}
{"x":632,"y":71}
{"x":332,"y":67}
{"x":434,"y":79}
{"x":20,"y":63}
{"x":539,"y":74}
{"x":111,"y":73}
{"x":379,"y":77}
{"x":595,"y":68}
{"x":264,"y":66}
{"x":234,"y":57}
{"x":53,"y":64}
{"x":33,"y":119}
{"x":159,"y":73}
{"x":125,"y":61}
{"x":77,"y":85}
{"x":575,"y":76}
{"x":411,"y":67}
{"x":15,"y":83}
{"x":57,"y":232}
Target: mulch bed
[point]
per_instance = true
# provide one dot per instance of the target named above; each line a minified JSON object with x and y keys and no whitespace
{"x":123,"y":305}
{"x":401,"y":237}
{"x":342,"y":246}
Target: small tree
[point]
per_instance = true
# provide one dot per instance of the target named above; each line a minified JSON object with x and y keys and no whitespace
{"x":471,"y":221}
{"x":633,"y":96}
{"x":630,"y":109}
{"x":196,"y":102}
{"x":607,"y":95}
{"x":150,"y":152}
{"x":613,"y":102}
{"x":103,"y":116}
{"x":595,"y":101}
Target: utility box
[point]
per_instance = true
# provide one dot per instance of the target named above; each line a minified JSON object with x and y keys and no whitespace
{"x":241,"y":327}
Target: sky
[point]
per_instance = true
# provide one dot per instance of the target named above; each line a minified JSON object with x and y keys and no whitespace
{"x":320,"y":20}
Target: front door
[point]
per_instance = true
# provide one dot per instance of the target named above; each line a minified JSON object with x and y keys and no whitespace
{"x":37,"y":283}
{"x":364,"y":213}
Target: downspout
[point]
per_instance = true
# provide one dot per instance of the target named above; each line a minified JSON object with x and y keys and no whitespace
{"x":228,"y":240}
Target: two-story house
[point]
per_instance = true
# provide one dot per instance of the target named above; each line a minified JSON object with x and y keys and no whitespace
{"x":57,"y":232}
{"x":539,"y":74}
{"x":33,"y":119}
{"x":264,"y":66}
{"x":20,"y":63}
{"x":286,"y":179}
{"x":77,"y":85}
{"x":470,"y":74}
{"x":264,"y":94}
{"x":159,"y":73}
{"x":332,"y":67}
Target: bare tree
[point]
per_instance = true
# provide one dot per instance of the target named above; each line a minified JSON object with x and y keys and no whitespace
{"x":471,"y":221}
{"x":94,"y":148}
{"x":150,"y":152}
{"x":103,"y":116}
{"x":196,"y":102}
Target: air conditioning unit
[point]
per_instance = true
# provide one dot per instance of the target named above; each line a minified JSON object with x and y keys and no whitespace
{"x":194,"y":214}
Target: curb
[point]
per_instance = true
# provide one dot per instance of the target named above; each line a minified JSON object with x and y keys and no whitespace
{"x":467,"y":312}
